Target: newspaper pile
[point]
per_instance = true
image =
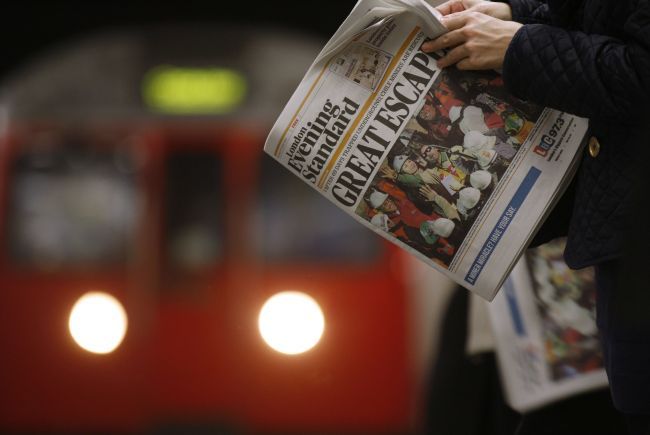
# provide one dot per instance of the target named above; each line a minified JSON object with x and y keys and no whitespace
{"x":444,"y":163}
{"x":544,"y":322}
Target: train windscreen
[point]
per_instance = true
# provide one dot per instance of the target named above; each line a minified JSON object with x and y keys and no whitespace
{"x":71,"y":204}
{"x":295,"y":223}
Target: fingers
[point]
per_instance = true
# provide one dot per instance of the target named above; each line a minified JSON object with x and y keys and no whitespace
{"x":449,"y":39}
{"x":457,"y":20}
{"x":451,"y":7}
{"x":468,"y":64}
{"x":426,"y":190}
{"x":454,"y":56}
{"x":475,"y":40}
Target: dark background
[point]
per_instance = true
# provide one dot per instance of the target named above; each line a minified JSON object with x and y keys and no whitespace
{"x":30,"y":27}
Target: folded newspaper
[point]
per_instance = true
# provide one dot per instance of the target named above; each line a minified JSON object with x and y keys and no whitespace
{"x":442,"y":162}
{"x":544,"y":322}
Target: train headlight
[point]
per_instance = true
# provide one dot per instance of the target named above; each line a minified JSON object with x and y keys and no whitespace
{"x":291,"y":322}
{"x":98,"y":322}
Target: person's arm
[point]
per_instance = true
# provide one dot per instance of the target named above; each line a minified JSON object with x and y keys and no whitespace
{"x":522,"y":11}
{"x":588,"y":75}
{"x":391,"y":189}
{"x":529,"y":11}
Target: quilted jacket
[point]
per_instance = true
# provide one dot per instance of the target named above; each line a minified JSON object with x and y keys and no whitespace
{"x":590,"y":58}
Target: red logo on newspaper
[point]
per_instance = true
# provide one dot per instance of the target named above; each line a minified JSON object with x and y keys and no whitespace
{"x":544,"y":145}
{"x":549,"y":140}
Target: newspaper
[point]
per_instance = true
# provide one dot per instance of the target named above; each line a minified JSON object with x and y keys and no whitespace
{"x":545,"y":328}
{"x":444,"y":163}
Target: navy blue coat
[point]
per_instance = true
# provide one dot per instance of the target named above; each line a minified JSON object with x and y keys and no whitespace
{"x":592,"y":58}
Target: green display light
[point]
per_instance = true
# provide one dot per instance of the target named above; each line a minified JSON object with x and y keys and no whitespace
{"x":179,"y":90}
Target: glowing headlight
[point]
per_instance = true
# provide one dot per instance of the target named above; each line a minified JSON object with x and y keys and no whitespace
{"x":98,"y":322}
{"x":291,"y":322}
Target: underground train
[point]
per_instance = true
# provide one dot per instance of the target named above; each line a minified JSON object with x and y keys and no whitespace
{"x":131,"y":163}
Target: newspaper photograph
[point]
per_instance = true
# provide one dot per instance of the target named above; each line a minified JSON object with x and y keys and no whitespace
{"x":442,"y":162}
{"x":544,"y":321}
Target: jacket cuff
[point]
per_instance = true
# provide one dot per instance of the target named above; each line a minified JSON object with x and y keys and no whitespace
{"x":513,"y":78}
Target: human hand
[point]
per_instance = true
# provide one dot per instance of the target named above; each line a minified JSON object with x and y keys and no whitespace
{"x":421,"y":161}
{"x":428,"y":193}
{"x":498,"y":10}
{"x":479,"y":40}
{"x":388,"y":173}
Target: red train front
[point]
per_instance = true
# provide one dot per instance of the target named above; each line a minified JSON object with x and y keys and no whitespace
{"x":132,"y":164}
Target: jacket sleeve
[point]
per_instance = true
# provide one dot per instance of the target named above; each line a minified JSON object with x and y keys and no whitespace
{"x":588,"y":75}
{"x":529,"y":11}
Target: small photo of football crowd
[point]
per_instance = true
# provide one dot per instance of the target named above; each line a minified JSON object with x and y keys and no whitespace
{"x":447,"y":161}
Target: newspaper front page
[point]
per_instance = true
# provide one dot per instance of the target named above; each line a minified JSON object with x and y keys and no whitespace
{"x":444,"y":163}
{"x":544,"y":322}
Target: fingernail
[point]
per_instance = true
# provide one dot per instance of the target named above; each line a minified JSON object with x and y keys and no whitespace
{"x":426,"y":46}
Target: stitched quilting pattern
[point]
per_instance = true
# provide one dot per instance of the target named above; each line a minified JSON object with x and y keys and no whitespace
{"x":600,"y":69}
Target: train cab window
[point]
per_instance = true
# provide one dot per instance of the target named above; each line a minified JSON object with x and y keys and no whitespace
{"x":194,"y":209}
{"x":295,"y":223}
{"x":71,"y":204}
